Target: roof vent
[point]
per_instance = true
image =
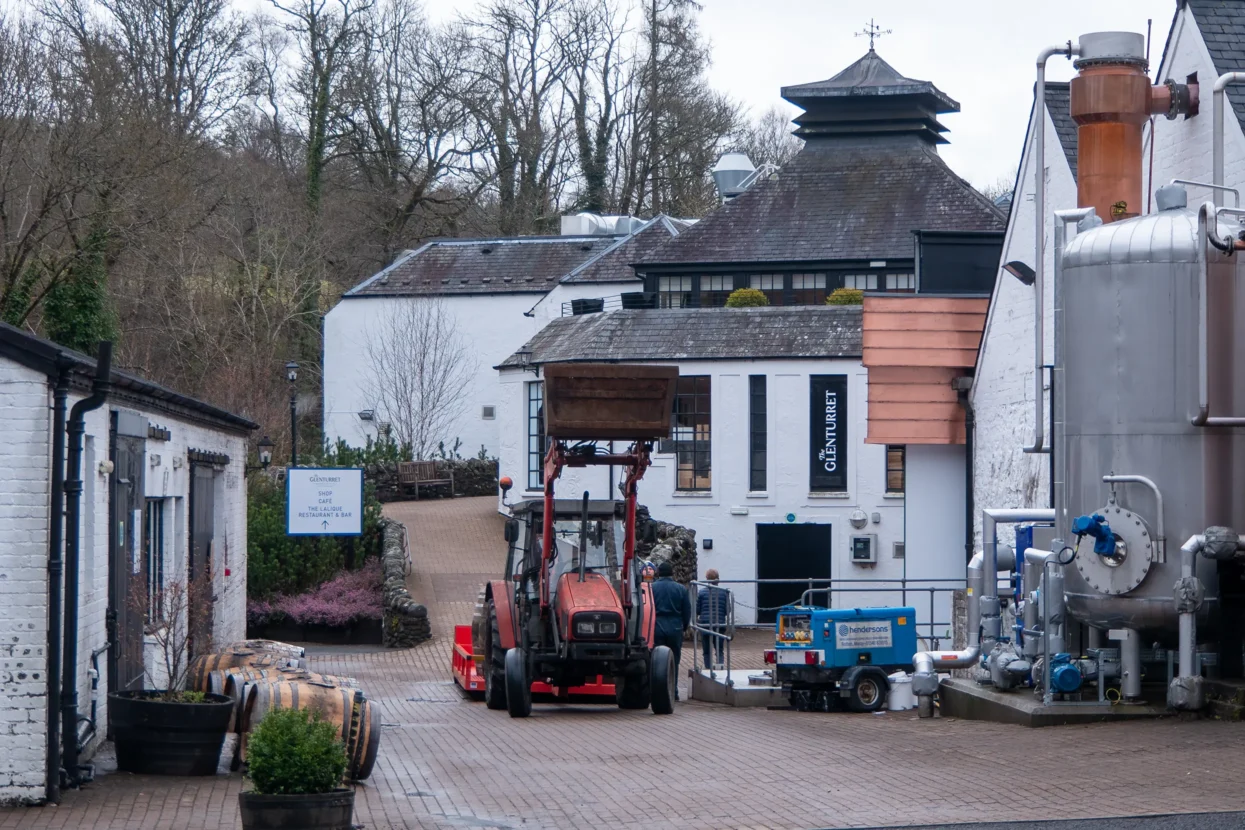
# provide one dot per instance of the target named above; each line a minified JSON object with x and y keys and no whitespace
{"x":486,"y":250}
{"x":730,"y":174}
{"x":1171,"y":197}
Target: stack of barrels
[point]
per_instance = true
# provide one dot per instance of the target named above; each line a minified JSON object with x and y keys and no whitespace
{"x":263,"y":675}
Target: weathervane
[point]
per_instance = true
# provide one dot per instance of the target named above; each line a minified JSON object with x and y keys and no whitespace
{"x":873,"y":31}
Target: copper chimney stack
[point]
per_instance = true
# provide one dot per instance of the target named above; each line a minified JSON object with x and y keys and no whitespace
{"x":1111,"y":99}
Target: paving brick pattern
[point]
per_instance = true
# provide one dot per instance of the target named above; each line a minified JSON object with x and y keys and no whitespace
{"x":448,"y":763}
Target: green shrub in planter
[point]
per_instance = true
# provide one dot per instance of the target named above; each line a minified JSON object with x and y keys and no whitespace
{"x":746,"y":297}
{"x":846,"y":296}
{"x":294,"y":752}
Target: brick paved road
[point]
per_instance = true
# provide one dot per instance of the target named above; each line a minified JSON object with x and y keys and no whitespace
{"x":449,"y":763}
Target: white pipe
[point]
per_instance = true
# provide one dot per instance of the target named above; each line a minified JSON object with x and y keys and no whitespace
{"x":1161,"y":541}
{"x":1221,"y":83}
{"x":1039,"y":236}
{"x":1208,"y":213}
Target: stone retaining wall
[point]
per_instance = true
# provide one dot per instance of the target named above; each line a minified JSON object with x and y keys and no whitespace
{"x":406,"y":621}
{"x":472,"y":477}
{"x":664,"y":542}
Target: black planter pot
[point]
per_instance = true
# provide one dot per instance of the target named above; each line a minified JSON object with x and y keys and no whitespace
{"x":319,"y":811}
{"x":159,"y":738}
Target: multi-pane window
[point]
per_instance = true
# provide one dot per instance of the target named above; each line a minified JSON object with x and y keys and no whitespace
{"x":864,"y":282}
{"x":690,"y":434}
{"x":771,"y":284}
{"x":757,"y":437}
{"x":535,"y":435}
{"x":675,"y":292}
{"x":808,"y":289}
{"x":154,"y":549}
{"x":715,"y":290}
{"x":901,"y":282}
{"x":895,"y":457}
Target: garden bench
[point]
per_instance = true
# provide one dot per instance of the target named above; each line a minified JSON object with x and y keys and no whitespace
{"x":415,"y":474}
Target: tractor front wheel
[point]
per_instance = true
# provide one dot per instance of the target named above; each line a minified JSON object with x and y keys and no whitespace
{"x":494,"y":663}
{"x":633,"y":691}
{"x":663,"y":680}
{"x":518,"y":686}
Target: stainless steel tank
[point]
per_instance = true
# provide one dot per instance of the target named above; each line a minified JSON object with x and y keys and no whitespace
{"x":1126,"y":389}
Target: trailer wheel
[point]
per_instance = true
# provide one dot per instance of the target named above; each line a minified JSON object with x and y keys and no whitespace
{"x":518,"y":686}
{"x":663,"y":680}
{"x":868,"y":692}
{"x":633,"y":691}
{"x":495,"y":669}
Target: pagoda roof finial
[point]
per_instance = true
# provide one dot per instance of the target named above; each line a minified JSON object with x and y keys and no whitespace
{"x":873,"y":31}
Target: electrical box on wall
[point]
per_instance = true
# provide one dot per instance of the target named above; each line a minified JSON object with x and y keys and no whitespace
{"x":864,"y":548}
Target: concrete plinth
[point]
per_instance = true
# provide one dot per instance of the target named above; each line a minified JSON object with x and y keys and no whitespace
{"x":738,"y":692}
{"x":972,"y":701}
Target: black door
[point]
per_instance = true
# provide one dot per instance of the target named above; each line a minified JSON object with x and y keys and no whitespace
{"x":791,"y":551}
{"x":127,"y":568}
{"x":202,"y":533}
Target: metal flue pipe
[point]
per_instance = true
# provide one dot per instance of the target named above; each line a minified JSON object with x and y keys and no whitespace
{"x":1039,"y":235}
{"x":1161,"y":540}
{"x":1221,"y":84}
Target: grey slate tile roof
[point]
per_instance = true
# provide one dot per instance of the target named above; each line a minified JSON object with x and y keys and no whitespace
{"x":614,"y":263}
{"x":1059,"y":105}
{"x":847,"y":198}
{"x":774,"y":332}
{"x":870,"y":76}
{"x":1222,"y":24}
{"x":530,"y":264}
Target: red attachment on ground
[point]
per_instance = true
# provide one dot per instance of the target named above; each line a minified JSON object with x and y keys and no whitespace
{"x":462,"y":663}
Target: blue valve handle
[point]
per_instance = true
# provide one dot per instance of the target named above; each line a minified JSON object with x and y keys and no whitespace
{"x":1097,"y":527}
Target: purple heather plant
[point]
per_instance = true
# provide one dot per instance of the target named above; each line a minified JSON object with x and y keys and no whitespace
{"x":349,"y":596}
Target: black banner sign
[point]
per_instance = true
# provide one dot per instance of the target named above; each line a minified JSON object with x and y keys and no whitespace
{"x":827,"y":411}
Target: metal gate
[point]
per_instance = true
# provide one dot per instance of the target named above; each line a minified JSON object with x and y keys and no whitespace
{"x":127,"y":569}
{"x":202,"y":535}
{"x":790,"y":551}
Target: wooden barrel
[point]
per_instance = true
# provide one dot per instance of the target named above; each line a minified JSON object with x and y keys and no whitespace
{"x":354,"y":717}
{"x":271,"y":647}
{"x":203,"y":666}
{"x":231,"y":683}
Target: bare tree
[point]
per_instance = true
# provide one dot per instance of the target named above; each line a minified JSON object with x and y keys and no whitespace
{"x":418,"y":371}
{"x":769,"y":139}
{"x":178,"y":619}
{"x":1001,"y":186}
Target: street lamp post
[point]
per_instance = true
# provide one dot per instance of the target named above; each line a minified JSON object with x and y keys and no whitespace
{"x":291,"y":373}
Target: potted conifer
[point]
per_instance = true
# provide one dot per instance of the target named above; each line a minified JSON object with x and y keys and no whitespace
{"x":170,"y":729}
{"x":296,"y":762}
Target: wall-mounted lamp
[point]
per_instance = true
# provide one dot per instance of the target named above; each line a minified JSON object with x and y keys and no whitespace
{"x":524,"y":356}
{"x":264,"y":450}
{"x":106,"y":467}
{"x":1021,"y":271}
{"x":367,"y":414}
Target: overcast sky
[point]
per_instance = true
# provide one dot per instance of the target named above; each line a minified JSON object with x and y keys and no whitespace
{"x":980,"y":52}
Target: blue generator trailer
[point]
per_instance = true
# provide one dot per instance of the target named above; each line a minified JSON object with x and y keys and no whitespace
{"x":825,"y":658}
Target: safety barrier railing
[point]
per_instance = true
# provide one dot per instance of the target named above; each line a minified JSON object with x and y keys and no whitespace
{"x":721,"y":635}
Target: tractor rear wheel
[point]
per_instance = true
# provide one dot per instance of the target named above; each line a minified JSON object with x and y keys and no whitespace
{"x":662,"y":683}
{"x":518,"y":685}
{"x":494,"y":662}
{"x":633,"y":691}
{"x":868,"y":692}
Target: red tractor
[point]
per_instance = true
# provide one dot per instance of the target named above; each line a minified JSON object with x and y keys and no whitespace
{"x":571,"y":615}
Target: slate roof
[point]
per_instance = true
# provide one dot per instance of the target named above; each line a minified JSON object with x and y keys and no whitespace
{"x":1059,"y":105}
{"x":47,"y":357}
{"x":838,"y":199}
{"x":614,"y":263}
{"x":870,"y":76}
{"x":1222,"y":24}
{"x":512,"y":265}
{"x":773,"y":332}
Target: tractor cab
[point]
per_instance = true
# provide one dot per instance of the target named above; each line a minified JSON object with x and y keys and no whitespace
{"x":601,"y":538}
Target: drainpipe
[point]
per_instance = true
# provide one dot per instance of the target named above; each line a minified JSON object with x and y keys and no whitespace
{"x":56,"y":570}
{"x":73,"y":492}
{"x":984,"y":624}
{"x":1039,"y":235}
{"x":963,"y":385}
{"x":1221,"y":84}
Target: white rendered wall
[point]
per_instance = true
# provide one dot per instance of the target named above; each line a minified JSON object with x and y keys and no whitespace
{"x":25,"y":402}
{"x":1002,"y":394}
{"x":492,"y":325}
{"x":713,"y":514}
{"x":934,"y":526}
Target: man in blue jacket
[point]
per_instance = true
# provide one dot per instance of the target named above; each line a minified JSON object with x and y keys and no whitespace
{"x":712,"y":604}
{"x":673,"y":610}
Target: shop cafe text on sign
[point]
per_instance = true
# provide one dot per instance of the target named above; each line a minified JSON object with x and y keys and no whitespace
{"x":324,"y":501}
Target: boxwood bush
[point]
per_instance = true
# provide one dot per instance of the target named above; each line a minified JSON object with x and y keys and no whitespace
{"x":746,"y":297}
{"x":846,"y":296}
{"x":294,"y":752}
